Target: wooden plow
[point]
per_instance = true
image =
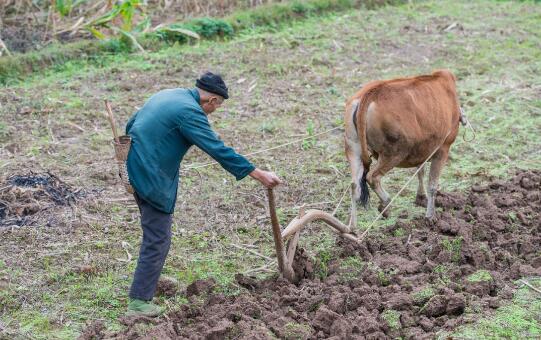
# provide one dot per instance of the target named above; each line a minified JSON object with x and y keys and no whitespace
{"x":292,"y":231}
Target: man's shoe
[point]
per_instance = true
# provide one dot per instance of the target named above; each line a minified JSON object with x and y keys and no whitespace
{"x":138,"y":307}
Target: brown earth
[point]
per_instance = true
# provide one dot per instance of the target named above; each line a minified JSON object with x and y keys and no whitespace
{"x":415,"y":279}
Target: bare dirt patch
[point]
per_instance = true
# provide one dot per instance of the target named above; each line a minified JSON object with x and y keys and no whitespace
{"x":413,"y":283}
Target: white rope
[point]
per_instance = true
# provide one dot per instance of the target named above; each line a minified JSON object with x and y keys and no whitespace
{"x":340,"y":202}
{"x":198,"y":166}
{"x":466,"y":123}
{"x":402,"y":189}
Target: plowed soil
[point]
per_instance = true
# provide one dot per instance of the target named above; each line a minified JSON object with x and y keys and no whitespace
{"x":414,"y":280}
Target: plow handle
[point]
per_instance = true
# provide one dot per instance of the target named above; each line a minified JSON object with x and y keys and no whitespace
{"x":283,"y":264}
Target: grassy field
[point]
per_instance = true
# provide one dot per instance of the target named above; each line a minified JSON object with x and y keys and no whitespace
{"x":285,"y":84}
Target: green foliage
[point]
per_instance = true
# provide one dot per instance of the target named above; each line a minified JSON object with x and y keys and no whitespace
{"x":322,"y":263}
{"x":392,"y":318}
{"x":208,"y":28}
{"x":480,"y":276}
{"x":383,"y":278}
{"x":514,"y":321}
{"x":12,"y":68}
{"x":399,"y":232}
{"x":442,"y":272}
{"x":64,"y":7}
{"x":454,"y":247}
{"x":268,"y":126}
{"x":350,"y":268}
{"x":421,"y":297}
{"x":4,"y":132}
{"x":274,"y":14}
{"x":309,"y":142}
{"x":294,"y":331}
{"x":125,"y":10}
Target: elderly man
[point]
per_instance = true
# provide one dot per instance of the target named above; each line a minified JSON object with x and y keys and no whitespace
{"x":162,"y":131}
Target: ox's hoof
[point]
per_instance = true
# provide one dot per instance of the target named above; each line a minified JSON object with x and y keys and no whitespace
{"x":380,"y":209}
{"x":421,"y":201}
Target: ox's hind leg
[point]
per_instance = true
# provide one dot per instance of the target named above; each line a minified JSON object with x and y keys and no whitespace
{"x":438,"y":161}
{"x":383,"y":166}
{"x":420,"y":198}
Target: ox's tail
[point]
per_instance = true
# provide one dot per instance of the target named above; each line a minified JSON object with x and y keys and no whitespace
{"x":359,"y":120}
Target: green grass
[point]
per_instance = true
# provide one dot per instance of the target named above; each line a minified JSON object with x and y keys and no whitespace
{"x":295,"y":331}
{"x":303,"y":75}
{"x":519,"y":320}
{"x":392,"y":317}
{"x":421,"y":297}
{"x":480,"y":276}
{"x":454,"y":247}
{"x":350,"y":268}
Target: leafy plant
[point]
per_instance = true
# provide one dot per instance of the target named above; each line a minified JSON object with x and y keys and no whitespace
{"x":392,"y":318}
{"x":64,"y":7}
{"x":133,"y":22}
{"x":422,"y":296}
{"x":454,"y":247}
{"x":480,"y":276}
{"x":203,"y":27}
{"x":442,"y":272}
{"x":350,"y":268}
{"x":309,"y":142}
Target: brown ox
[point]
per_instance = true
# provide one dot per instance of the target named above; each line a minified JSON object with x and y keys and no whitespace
{"x":401,"y":122}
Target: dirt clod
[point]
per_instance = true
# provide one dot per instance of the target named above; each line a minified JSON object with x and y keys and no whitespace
{"x":167,"y":286}
{"x":199,"y":287}
{"x":94,"y":331}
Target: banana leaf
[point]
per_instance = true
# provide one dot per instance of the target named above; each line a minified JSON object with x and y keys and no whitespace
{"x":184,"y":31}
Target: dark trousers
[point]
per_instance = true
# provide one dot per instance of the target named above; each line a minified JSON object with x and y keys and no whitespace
{"x":154,"y":248}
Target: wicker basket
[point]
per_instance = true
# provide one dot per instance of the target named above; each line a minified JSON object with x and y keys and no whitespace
{"x":122,"y":148}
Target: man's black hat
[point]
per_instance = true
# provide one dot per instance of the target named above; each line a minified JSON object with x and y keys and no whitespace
{"x":212,"y":83}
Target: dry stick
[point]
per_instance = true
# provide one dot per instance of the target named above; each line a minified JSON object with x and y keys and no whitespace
{"x":6,"y":187}
{"x":76,"y":126}
{"x":111,"y":119}
{"x":402,"y":189}
{"x":4,"y":47}
{"x":409,"y":239}
{"x":47,"y":24}
{"x":252,"y":252}
{"x":190,"y":167}
{"x":530,"y":286}
{"x":263,"y":268}
{"x":53,"y":4}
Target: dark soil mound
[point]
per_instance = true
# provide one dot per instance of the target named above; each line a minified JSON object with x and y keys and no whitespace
{"x":24,"y":197}
{"x":414,"y":279}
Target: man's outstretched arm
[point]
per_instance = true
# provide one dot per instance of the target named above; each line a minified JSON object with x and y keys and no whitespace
{"x":198,"y":131}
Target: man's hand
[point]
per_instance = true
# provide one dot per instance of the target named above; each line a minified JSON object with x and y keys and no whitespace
{"x":267,"y":178}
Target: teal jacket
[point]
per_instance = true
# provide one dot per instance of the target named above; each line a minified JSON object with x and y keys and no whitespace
{"x":162,"y":131}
